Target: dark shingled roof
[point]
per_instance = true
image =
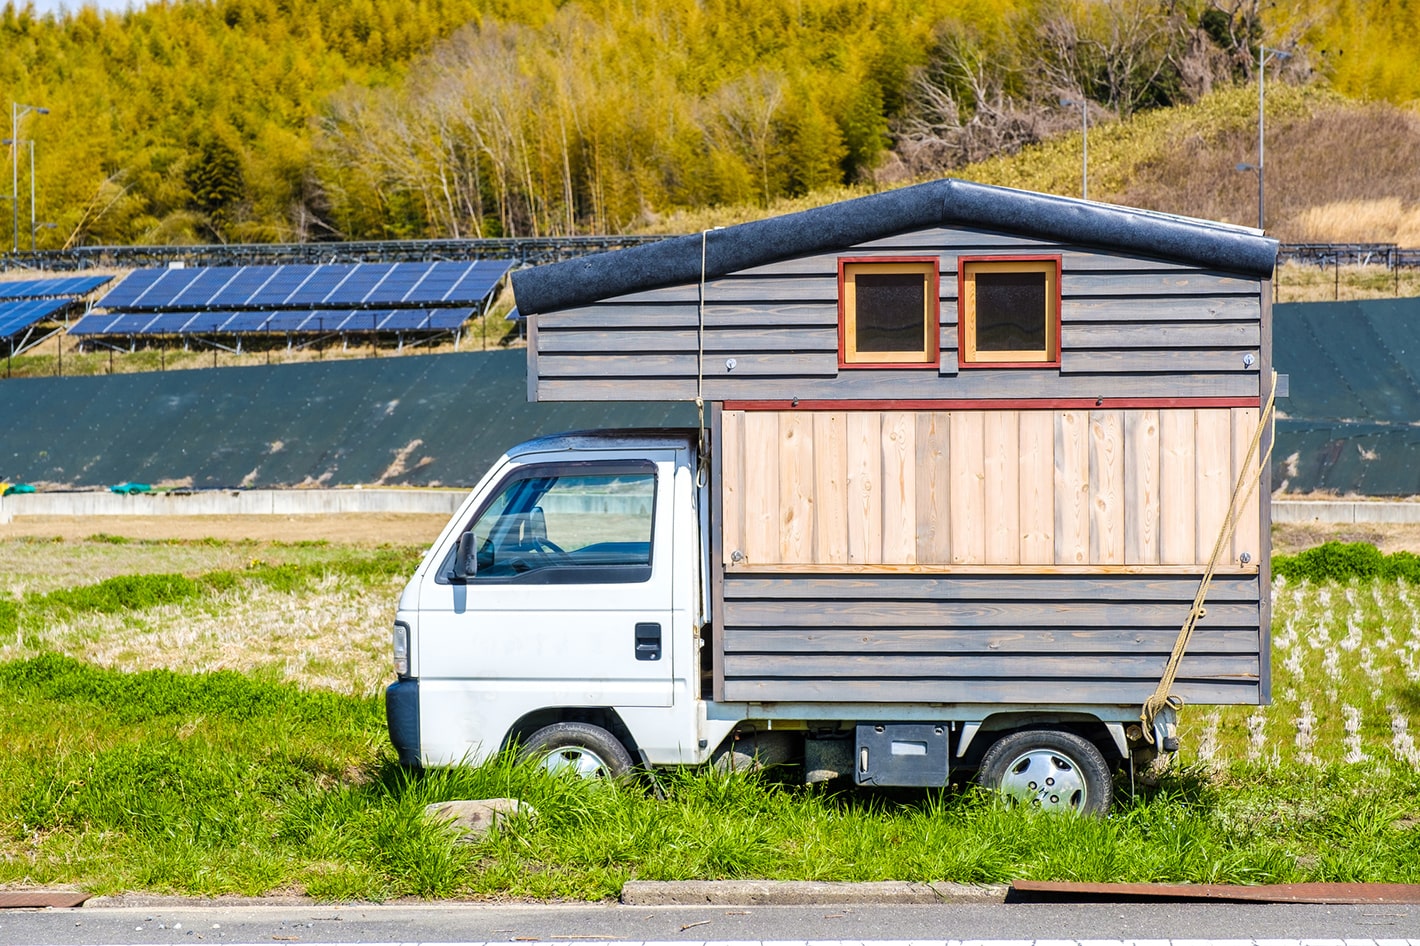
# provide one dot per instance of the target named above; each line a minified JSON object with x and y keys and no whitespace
{"x":936,"y":203}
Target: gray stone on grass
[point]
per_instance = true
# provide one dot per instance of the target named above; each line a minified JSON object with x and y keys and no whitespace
{"x":473,"y":820}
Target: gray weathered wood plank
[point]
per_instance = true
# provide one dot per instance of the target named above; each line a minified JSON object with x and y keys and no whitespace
{"x":715,"y":340}
{"x":673,"y":379}
{"x":1024,"y":690}
{"x":1161,"y":309}
{"x":986,"y":666}
{"x":1159,"y":336}
{"x":1053,"y":614}
{"x":1186,"y":283}
{"x":1183,"y":360}
{"x":938,"y":640}
{"x":1043,"y":588}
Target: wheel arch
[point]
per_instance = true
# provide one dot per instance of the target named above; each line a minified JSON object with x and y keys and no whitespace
{"x":976,"y":738}
{"x":603,"y":716}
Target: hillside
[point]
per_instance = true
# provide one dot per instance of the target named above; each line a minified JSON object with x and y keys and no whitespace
{"x":285,"y":120}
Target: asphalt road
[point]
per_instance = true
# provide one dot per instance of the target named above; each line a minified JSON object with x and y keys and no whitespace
{"x":1018,"y":924}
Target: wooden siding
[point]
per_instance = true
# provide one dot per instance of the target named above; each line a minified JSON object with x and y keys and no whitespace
{"x":1131,"y":327}
{"x":1126,"y":489}
{"x":1036,"y":639}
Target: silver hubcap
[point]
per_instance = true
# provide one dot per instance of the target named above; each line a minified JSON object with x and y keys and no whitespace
{"x":575,"y":760}
{"x":1045,"y":779}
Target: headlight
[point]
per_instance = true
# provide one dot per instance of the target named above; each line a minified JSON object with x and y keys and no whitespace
{"x":401,"y":649}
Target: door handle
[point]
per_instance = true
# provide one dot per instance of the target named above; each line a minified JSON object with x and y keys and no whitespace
{"x":648,"y":641}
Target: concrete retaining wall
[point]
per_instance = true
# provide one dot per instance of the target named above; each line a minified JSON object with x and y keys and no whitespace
{"x":443,"y":502}
{"x":1340,"y":512}
{"x":255,"y":502}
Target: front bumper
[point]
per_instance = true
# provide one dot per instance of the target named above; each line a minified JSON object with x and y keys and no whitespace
{"x":402,"y":718}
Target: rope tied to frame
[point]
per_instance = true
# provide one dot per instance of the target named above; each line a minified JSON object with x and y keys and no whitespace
{"x":701,"y":471}
{"x":1162,"y":697}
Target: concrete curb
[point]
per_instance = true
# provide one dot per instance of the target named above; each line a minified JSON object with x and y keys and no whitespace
{"x":254,"y":502}
{"x":668,"y":893}
{"x":1341,"y":512}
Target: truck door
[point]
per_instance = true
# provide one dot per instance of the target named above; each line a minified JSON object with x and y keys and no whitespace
{"x":570,"y":601}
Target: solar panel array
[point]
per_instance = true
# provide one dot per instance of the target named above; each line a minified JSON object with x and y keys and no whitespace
{"x":293,"y":321}
{"x":51,"y":288}
{"x":330,"y":286}
{"x":19,"y":314}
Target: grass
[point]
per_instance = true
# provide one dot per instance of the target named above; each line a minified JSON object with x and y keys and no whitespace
{"x":132,"y":765}
{"x":217,"y":783}
{"x":312,"y":613}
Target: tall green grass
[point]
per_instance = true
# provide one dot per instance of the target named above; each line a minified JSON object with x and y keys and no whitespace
{"x":210,"y":784}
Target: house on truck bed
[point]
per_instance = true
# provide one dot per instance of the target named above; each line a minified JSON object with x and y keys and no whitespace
{"x":969,"y":451}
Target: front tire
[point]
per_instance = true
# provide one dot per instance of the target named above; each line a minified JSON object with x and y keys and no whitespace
{"x":579,"y":749}
{"x":1050,"y":770}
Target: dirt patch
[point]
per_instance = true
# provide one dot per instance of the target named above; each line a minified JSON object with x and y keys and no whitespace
{"x":350,"y":529}
{"x":1290,"y":538}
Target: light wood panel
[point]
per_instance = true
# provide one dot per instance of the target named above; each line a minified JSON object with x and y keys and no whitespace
{"x":1246,"y":532}
{"x":1072,"y":488}
{"x":865,"y":506}
{"x":899,"y":435}
{"x":797,"y":482}
{"x":1126,"y":491}
{"x":761,"y":488}
{"x":1141,"y":487}
{"x":1002,"y":509}
{"x":933,"y":486}
{"x":1106,"y":487}
{"x":1178,"y":481}
{"x":968,"y":489}
{"x":830,"y":448}
{"x":1036,"y":483}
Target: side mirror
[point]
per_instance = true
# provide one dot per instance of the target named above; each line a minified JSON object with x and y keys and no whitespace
{"x":465,"y":563}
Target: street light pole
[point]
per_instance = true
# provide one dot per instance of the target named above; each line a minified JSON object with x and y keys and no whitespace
{"x":17,"y":112}
{"x":1262,"y":52}
{"x":1084,"y":104}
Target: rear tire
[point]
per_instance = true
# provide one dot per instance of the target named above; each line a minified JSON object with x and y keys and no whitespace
{"x":579,"y":749}
{"x":1050,"y":770}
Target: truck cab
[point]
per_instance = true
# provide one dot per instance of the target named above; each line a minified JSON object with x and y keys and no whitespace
{"x":568,"y":589}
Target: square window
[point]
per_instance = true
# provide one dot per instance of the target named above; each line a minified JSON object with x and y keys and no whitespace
{"x":888,"y":312}
{"x":1009,"y":311}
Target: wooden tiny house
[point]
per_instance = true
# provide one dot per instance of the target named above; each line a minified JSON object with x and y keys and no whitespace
{"x":968,"y":444}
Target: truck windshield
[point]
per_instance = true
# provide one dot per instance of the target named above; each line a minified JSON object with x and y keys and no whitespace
{"x":585,"y":521}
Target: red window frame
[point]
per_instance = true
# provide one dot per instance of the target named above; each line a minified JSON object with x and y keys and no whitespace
{"x":933,"y":314}
{"x":1053,"y":324}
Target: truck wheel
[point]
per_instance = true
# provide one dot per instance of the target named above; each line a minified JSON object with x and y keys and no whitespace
{"x":579,"y":749}
{"x":1048,"y":769}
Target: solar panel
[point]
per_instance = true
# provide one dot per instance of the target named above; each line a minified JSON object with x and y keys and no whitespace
{"x":145,"y":283}
{"x":50,"y":288}
{"x":131,"y":323}
{"x":242,"y":287}
{"x":18,"y":315}
{"x":205,"y":284}
{"x":94,"y":324}
{"x":203,"y":321}
{"x":174,"y":323}
{"x":319,"y":284}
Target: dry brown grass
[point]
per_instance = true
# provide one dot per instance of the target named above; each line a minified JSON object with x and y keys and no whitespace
{"x":1377,"y":220}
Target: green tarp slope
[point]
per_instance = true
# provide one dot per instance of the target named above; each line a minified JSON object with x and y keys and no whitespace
{"x":431,"y":420}
{"x":1349,"y":424}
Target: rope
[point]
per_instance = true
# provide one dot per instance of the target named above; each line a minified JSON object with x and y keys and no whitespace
{"x":1162,"y":699}
{"x":701,"y":473}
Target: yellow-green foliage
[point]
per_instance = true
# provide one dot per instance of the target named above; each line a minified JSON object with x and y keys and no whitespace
{"x":237,"y":120}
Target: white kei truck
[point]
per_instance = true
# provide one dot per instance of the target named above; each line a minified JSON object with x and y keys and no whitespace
{"x":971,"y":463}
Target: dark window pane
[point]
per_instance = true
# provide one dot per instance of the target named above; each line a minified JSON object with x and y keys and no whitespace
{"x":891,"y":312}
{"x":1010,"y":311}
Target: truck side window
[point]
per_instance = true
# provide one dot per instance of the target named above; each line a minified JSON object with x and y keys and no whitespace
{"x":567,"y":524}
